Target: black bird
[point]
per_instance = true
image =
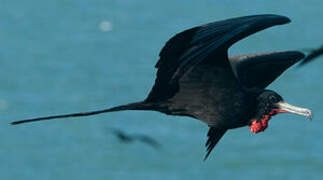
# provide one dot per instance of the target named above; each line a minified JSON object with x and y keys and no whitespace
{"x":315,"y":53}
{"x":197,"y":78}
{"x":127,"y":138}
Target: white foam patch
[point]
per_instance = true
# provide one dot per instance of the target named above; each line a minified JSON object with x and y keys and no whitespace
{"x":105,"y":26}
{"x":3,"y":104}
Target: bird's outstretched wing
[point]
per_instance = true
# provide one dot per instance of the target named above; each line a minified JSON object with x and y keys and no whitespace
{"x":208,"y":44}
{"x":148,"y":140}
{"x":257,"y":71}
{"x":214,"y":135}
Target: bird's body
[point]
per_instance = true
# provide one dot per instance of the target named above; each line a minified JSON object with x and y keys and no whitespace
{"x":197,"y":78}
{"x":206,"y":93}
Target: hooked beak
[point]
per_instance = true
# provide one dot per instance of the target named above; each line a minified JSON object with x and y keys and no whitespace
{"x":285,"y":107}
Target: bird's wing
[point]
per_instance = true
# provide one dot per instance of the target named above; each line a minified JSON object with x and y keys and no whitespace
{"x":148,"y":140}
{"x":122,"y":136}
{"x":257,"y":71}
{"x":208,"y":44}
{"x":214,"y":135}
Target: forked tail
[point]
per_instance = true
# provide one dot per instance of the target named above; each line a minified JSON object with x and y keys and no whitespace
{"x":214,"y":136}
{"x":132,"y":106}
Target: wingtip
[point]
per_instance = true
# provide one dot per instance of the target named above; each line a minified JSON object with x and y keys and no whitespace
{"x":292,"y":55}
{"x":18,"y":122}
{"x":299,"y":55}
{"x":204,"y":159}
{"x":283,"y":19}
{"x":13,"y":123}
{"x":206,"y":156}
{"x":296,"y":55}
{"x":276,"y":19}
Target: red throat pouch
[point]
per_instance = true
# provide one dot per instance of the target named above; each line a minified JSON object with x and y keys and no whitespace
{"x":260,"y":126}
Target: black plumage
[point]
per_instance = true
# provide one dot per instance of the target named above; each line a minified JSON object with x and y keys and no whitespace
{"x":197,"y":78}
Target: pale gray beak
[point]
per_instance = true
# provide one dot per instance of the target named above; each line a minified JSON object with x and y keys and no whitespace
{"x":293,"y":109}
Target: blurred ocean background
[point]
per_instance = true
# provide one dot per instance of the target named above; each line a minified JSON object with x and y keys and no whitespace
{"x":71,"y":56}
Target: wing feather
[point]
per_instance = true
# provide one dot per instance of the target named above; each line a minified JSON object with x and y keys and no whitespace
{"x":208,"y":44}
{"x":214,"y":136}
{"x":257,"y":71}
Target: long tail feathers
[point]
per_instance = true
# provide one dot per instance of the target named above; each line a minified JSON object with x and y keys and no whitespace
{"x":132,"y":106}
{"x":214,"y":135}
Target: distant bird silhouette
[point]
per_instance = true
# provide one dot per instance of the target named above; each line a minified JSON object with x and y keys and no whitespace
{"x":315,"y":53}
{"x":127,"y":138}
{"x":197,"y":78}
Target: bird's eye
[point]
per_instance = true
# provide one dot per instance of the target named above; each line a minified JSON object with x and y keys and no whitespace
{"x":273,"y":99}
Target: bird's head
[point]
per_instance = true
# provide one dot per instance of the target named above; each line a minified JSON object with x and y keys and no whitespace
{"x":269,"y":104}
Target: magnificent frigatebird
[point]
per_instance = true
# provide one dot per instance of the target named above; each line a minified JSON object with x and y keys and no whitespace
{"x":197,"y":78}
{"x":315,"y":53}
{"x":127,"y":138}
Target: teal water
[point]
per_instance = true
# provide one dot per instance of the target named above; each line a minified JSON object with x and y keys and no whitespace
{"x":55,"y":58}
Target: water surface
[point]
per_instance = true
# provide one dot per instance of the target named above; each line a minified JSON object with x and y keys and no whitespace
{"x":56,"y":58}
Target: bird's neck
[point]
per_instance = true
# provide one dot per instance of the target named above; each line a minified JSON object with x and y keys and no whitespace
{"x":260,"y":124}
